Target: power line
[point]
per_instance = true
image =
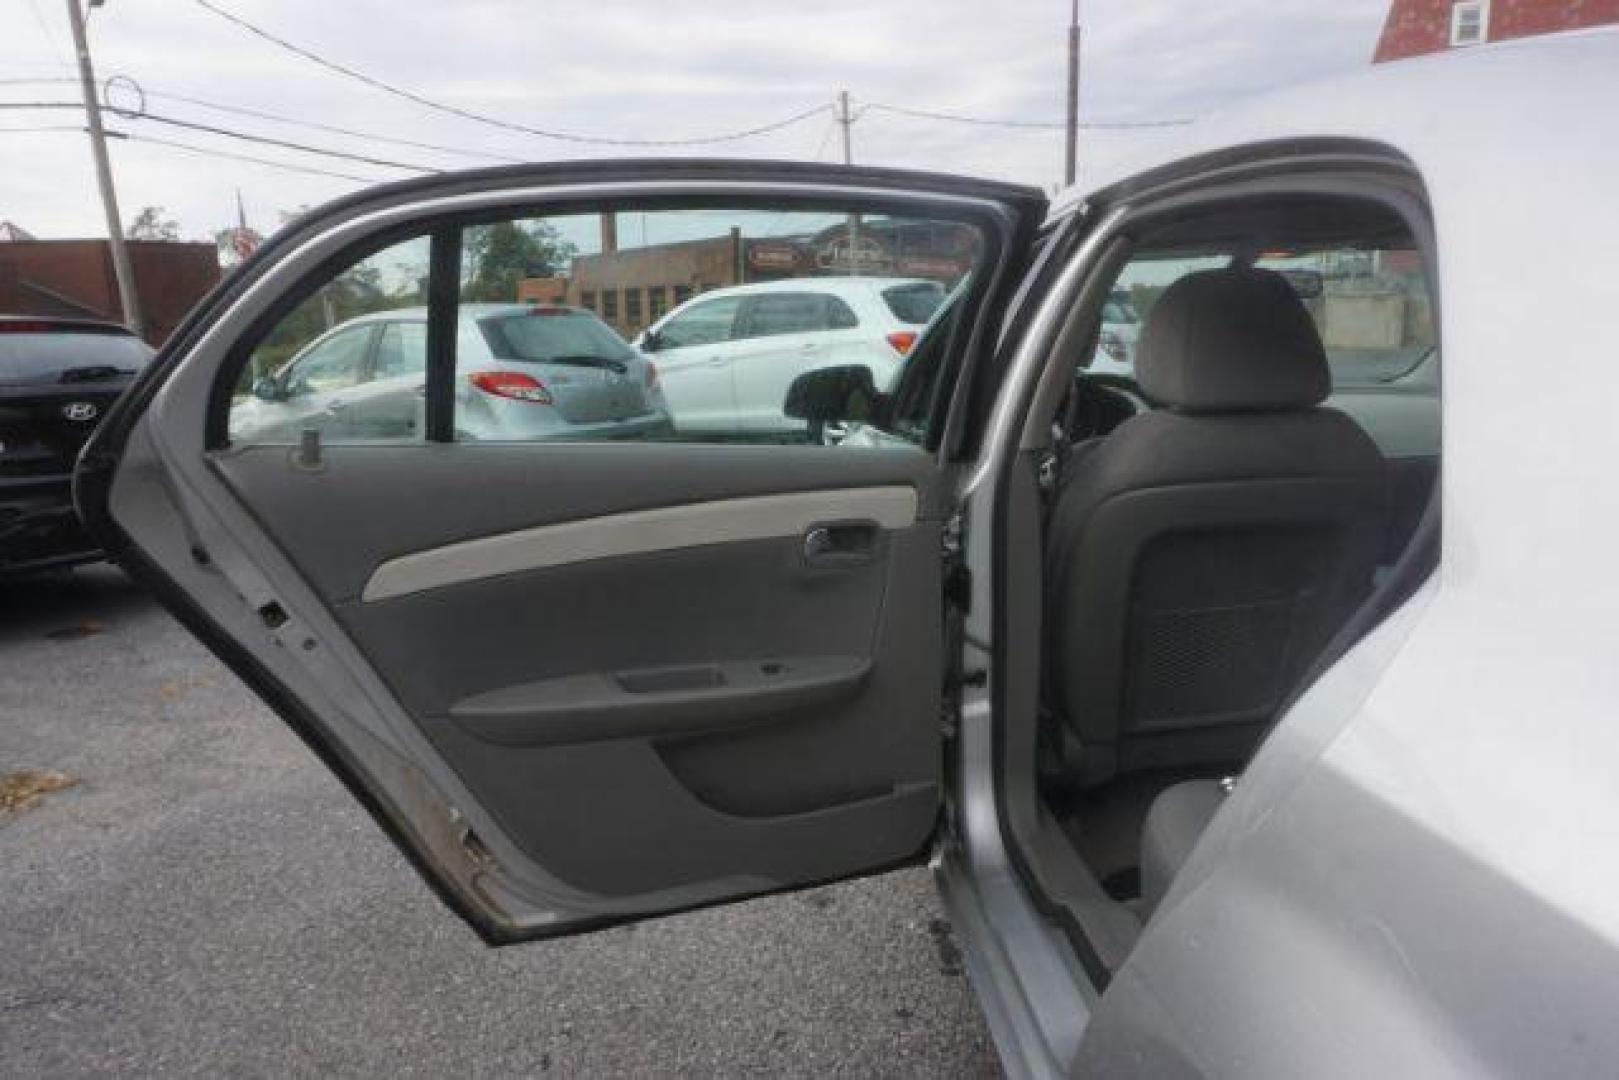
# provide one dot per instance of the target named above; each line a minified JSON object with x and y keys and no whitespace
{"x":243,"y":110}
{"x":211,"y":152}
{"x":230,"y":133}
{"x":982,"y":121}
{"x":493,"y":121}
{"x":49,"y":34}
{"x":283,"y":143}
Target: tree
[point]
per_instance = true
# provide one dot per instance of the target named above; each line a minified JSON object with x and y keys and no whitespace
{"x":150,"y":224}
{"x":496,"y":257}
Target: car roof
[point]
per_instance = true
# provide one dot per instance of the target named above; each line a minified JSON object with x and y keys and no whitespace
{"x":476,"y":310}
{"x":1435,"y":109}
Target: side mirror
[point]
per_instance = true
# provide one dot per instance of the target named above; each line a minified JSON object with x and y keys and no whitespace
{"x":265,"y":388}
{"x":834,"y":395}
{"x":648,"y":341}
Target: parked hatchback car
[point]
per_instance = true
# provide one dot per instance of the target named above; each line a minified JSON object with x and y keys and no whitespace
{"x":58,"y":378}
{"x":523,"y":371}
{"x":729,"y":355}
{"x":1223,"y":767}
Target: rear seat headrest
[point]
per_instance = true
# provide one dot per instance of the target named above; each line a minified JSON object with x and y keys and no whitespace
{"x":1233,"y":340}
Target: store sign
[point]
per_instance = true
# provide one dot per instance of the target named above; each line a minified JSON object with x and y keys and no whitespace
{"x":864,"y":256}
{"x":773,"y":257}
{"x":931,"y":267}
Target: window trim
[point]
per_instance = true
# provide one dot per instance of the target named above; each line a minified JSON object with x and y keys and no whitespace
{"x":1461,"y":8}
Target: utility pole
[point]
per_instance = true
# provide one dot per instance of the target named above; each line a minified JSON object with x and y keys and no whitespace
{"x":848,"y":159}
{"x":1071,"y":151}
{"x":121,"y":268}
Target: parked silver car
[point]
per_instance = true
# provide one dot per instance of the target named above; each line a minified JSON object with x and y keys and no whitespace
{"x":524,"y":371}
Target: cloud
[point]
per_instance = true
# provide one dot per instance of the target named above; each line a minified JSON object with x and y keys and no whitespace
{"x":640,"y":68}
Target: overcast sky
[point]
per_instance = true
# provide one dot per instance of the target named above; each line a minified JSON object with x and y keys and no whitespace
{"x":655,"y":69}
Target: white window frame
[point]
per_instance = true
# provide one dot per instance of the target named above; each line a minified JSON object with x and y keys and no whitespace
{"x":1480,"y":8}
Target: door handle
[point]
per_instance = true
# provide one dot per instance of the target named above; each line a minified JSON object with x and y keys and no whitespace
{"x":841,"y":544}
{"x":715,"y":361}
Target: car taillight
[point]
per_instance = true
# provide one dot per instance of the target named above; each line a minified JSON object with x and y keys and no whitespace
{"x":512,"y":384}
{"x":651,"y":374}
{"x":902,"y":340}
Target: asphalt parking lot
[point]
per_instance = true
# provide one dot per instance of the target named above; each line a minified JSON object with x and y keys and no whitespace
{"x":207,"y":900}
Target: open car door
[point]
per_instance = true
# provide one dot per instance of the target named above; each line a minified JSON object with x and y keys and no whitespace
{"x":581,"y":665}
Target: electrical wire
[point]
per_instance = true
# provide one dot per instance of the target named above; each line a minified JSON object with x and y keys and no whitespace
{"x":285,"y":144}
{"x":261,"y":114}
{"x":1043,"y":125}
{"x":175,"y":144}
{"x":494,"y":121}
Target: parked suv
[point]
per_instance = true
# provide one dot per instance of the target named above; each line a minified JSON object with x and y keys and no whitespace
{"x":523,"y":372}
{"x":58,"y":377}
{"x":728,"y":356}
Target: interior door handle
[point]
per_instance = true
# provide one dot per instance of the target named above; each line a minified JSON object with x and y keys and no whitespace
{"x":835,"y":545}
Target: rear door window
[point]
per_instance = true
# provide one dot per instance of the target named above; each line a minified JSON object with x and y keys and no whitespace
{"x":551,"y":334}
{"x":64,"y":356}
{"x":914,"y":303}
{"x":401,"y":350}
{"x":785,"y":313}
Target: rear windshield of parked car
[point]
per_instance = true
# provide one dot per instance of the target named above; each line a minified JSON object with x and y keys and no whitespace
{"x":545,"y":335}
{"x":65,"y":355}
{"x":914,"y":303}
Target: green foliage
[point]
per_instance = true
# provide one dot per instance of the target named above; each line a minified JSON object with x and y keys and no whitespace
{"x":150,"y":224}
{"x":494,"y":258}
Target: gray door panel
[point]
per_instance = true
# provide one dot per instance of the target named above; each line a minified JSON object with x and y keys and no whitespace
{"x":576,"y":683}
{"x":719,"y":710}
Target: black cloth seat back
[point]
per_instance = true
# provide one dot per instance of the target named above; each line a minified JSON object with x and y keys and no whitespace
{"x":1201,"y":555}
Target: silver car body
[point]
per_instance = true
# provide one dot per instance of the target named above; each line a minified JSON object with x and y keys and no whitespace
{"x":1416,"y":875}
{"x":616,"y":397}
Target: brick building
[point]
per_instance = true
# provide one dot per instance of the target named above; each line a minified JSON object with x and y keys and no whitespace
{"x":1415,"y":27}
{"x":631,"y":288}
{"x":74,"y":278}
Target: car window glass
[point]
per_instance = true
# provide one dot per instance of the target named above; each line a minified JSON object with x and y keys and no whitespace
{"x":551,"y":339}
{"x":1370,"y":304}
{"x":49,"y":355}
{"x":334,"y":364}
{"x":401,"y":350}
{"x":706,"y":322}
{"x":914,"y":302}
{"x":784,"y":313}
{"x":288,"y":383}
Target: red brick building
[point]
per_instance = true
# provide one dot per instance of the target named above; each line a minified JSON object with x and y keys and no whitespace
{"x":1415,"y":27}
{"x":74,"y":278}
